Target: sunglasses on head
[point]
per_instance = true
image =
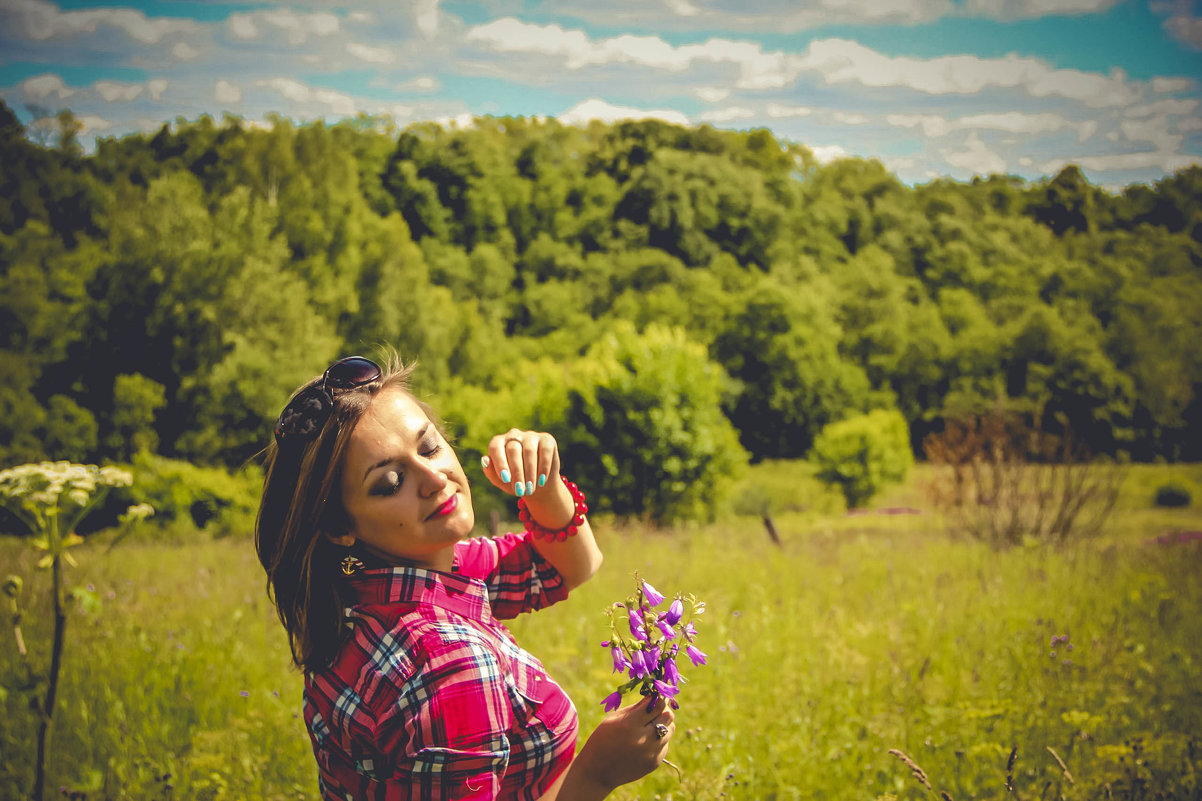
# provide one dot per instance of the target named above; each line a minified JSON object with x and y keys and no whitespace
{"x":305,"y":414}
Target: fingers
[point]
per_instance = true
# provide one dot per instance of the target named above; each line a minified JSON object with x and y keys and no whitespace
{"x":520,"y":462}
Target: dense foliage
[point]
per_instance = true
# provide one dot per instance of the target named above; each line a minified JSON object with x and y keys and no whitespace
{"x":166,"y":292}
{"x":861,"y":454}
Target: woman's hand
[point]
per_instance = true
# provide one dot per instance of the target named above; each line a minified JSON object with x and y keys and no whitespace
{"x":526,"y":464}
{"x":522,"y":463}
{"x":625,"y":747}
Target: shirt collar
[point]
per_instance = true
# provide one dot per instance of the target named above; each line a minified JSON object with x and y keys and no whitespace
{"x":416,"y":585}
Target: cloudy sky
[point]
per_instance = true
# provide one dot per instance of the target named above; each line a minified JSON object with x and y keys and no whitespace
{"x":930,"y":87}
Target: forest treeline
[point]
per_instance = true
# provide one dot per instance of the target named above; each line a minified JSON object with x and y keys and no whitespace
{"x":165,"y":292}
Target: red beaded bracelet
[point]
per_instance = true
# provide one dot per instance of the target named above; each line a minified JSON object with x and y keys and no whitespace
{"x":568,"y":531}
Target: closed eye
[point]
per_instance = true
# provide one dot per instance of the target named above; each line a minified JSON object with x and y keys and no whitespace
{"x":389,"y":486}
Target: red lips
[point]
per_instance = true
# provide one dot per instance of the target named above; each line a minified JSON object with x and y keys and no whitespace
{"x":451,"y":504}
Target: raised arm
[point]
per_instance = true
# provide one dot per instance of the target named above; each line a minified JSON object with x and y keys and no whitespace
{"x":525,"y":464}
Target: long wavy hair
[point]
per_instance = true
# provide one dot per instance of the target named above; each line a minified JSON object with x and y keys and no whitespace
{"x":301,"y":508}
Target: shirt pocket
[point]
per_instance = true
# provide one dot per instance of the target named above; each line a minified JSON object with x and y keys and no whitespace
{"x":542,"y":697}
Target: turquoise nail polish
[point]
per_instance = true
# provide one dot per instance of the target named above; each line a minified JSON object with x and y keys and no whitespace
{"x":542,"y":480}
{"x":520,"y":489}
{"x":505,"y":476}
{"x":529,"y":487}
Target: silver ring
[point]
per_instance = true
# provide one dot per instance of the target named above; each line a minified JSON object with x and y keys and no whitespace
{"x":661,"y":731}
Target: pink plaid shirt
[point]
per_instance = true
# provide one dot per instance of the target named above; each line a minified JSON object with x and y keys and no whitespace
{"x":430,"y":696}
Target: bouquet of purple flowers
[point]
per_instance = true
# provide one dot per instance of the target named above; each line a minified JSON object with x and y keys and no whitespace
{"x":656,"y":638}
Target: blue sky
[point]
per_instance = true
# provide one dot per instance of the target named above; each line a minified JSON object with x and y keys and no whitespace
{"x":933,"y":88}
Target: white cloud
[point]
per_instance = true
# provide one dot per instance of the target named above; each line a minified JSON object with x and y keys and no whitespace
{"x":842,"y":61}
{"x":184,"y":51}
{"x":776,"y":16}
{"x":1015,"y":122}
{"x":1029,"y":9}
{"x":300,"y":27}
{"x":727,"y":114}
{"x":711,"y":94}
{"x":112,"y":92}
{"x":778,"y":110}
{"x":41,"y":87}
{"x":1165,"y":162}
{"x":463,"y":121}
{"x":1185,"y":26}
{"x":682,"y":8}
{"x":242,"y":26}
{"x":337,"y":102}
{"x":426,"y":17}
{"x":156,"y":87}
{"x":370,"y":53}
{"x":422,"y":83}
{"x":1165,"y":85}
{"x":849,"y":118}
{"x":976,"y":157}
{"x":42,"y":21}
{"x":1154,"y":130}
{"x":827,"y":153}
{"x":92,"y":123}
{"x":1166,"y":106}
{"x":226,"y":92}
{"x":757,"y":69}
{"x":594,"y":109}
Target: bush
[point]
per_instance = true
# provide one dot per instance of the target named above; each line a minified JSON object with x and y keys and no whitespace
{"x":209,"y":498}
{"x":1002,"y":478}
{"x":638,"y":419}
{"x":1173,"y":495}
{"x":862,"y":454}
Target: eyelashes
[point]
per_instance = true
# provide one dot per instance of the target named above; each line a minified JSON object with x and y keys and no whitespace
{"x":392,"y":479}
{"x":392,"y":483}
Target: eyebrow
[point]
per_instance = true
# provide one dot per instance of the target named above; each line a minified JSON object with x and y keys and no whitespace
{"x":387,"y":460}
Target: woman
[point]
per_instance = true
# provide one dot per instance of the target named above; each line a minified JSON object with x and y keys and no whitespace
{"x":413,"y":688}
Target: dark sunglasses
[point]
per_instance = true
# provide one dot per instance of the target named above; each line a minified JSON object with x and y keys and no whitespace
{"x":305,"y":414}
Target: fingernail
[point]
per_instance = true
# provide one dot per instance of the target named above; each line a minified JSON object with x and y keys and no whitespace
{"x":542,"y":480}
{"x":505,"y":476}
{"x":529,"y":487}
{"x":484,"y":462}
{"x":520,"y":489}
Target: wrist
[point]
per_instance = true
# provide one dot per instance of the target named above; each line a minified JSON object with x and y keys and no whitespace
{"x":556,"y":512}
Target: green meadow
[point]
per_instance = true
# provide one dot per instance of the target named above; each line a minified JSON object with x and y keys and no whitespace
{"x":857,"y":635}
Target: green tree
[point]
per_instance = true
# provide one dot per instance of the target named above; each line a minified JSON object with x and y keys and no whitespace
{"x":782,"y":348}
{"x":862,"y":454}
{"x":136,"y":398}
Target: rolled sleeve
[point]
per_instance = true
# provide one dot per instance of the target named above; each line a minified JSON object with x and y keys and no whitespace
{"x":519,"y":579}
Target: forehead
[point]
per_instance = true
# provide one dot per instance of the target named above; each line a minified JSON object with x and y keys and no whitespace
{"x":393,"y":420}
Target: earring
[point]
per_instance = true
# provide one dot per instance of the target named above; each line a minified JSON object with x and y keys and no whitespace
{"x":351,"y":565}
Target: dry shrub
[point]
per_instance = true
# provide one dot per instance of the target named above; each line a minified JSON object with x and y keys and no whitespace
{"x":1001,"y":479}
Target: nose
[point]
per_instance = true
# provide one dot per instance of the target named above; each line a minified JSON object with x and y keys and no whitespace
{"x":433,"y":479}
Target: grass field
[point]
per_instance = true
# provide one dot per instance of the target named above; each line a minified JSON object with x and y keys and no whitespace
{"x":859,"y":635}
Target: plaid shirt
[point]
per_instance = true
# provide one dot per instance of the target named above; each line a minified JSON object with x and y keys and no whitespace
{"x":430,"y":697}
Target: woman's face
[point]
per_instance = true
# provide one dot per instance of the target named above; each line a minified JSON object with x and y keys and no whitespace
{"x":403,"y":487}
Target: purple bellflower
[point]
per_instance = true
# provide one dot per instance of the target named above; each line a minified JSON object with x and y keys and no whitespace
{"x":675,"y":613}
{"x":636,"y":625}
{"x":612,"y":701}
{"x":654,"y":597}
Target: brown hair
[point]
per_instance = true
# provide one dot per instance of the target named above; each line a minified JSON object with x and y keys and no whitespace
{"x":301,"y":506}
